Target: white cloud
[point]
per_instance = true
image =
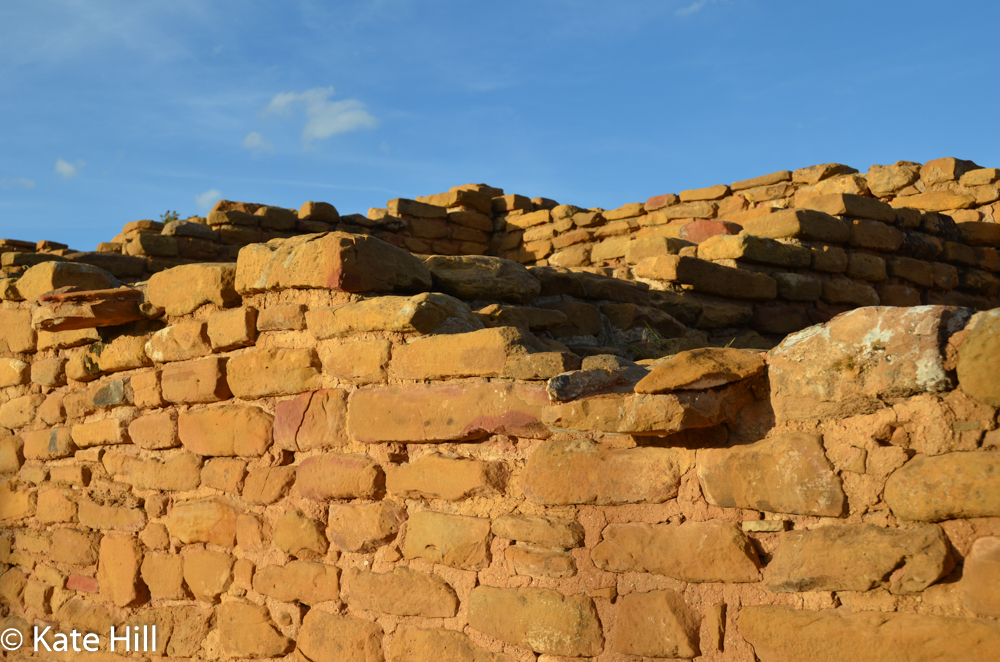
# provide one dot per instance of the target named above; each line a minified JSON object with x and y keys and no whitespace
{"x":256,"y":143}
{"x":67,"y":169}
{"x":207,"y":200}
{"x":692,"y":8}
{"x":17,"y":182}
{"x":323,"y":117}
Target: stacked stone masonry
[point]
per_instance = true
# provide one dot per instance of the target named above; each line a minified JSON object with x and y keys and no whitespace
{"x":342,"y":448}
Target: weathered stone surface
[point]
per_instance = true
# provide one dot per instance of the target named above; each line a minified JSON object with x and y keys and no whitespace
{"x":787,"y":473}
{"x":48,"y":276}
{"x":326,"y":637}
{"x":859,"y":557}
{"x":799,"y":224}
{"x":627,"y":316}
{"x":851,"y":363}
{"x":711,"y":551}
{"x":429,"y":312}
{"x":189,"y":382}
{"x":307,"y":582}
{"x":154,"y":431}
{"x":438,"y":477}
{"x":582,"y":472}
{"x":299,"y":536}
{"x":15,"y":504}
{"x":419,"y":414}
{"x":118,"y":569}
{"x":263,"y":373}
{"x":69,"y":311}
{"x":981,"y":577}
{"x":229,"y":329}
{"x":412,"y":645}
{"x":19,"y":412}
{"x":535,"y":561}
{"x":11,"y":454}
{"x":978,"y":357}
{"x":754,"y":249}
{"x":814,"y":174}
{"x":110,"y":518}
{"x":208,"y":573}
{"x":934,"y":201}
{"x":453,"y":540}
{"x":402,"y":592}
{"x":783,"y":634}
{"x":247,"y":631}
{"x":16,"y":332}
{"x":949,"y":486}
{"x":177,"y":473}
{"x":226,"y":431}
{"x":268,"y":484}
{"x":364,"y":527}
{"x":210,"y":520}
{"x":183,"y":289}
{"x":50,"y":444}
{"x":708,"y":277}
{"x":361,"y":362}
{"x":577,"y":383}
{"x":540,"y":620}
{"x":481,"y":353}
{"x":163,"y":574}
{"x":541,"y":365}
{"x":763,"y":180}
{"x":314,"y":420}
{"x":886,"y":180}
{"x":701,"y":369}
{"x":648,"y":414}
{"x":845,"y":204}
{"x":334,"y":260}
{"x":179,"y":342}
{"x":339,"y":476}
{"x":656,"y":624}
{"x":483,"y":277}
{"x":110,"y":431}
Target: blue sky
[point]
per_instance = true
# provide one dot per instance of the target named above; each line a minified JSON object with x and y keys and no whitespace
{"x":114,"y":111}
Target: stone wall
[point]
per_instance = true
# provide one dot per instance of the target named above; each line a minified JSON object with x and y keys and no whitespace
{"x":334,"y":450}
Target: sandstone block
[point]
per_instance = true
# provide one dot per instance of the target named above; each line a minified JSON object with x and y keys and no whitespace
{"x":20,"y":412}
{"x":804,"y":224}
{"x":707,"y":277}
{"x":540,"y":620}
{"x":978,"y":356}
{"x":934,"y":201}
{"x":299,"y":536}
{"x":857,"y":206}
{"x":15,"y":504}
{"x":401,"y":592}
{"x":783,"y":634}
{"x":211,"y":520}
{"x":339,"y":476}
{"x":797,"y":287}
{"x":110,"y":518}
{"x":862,"y":266}
{"x":154,"y":431}
{"x":701,"y":369}
{"x":11,"y":454}
{"x":361,"y":361}
{"x":412,"y":645}
{"x":246,"y":630}
{"x":481,"y":353}
{"x":483,"y":277}
{"x":16,"y":333}
{"x":226,"y":431}
{"x":364,"y":527}
{"x":419,"y":414}
{"x":229,"y":329}
{"x":886,"y":180}
{"x":763,"y":180}
{"x":118,"y":570}
{"x":14,"y":372}
{"x":582,"y":472}
{"x":627,"y":316}
{"x":582,"y":319}
{"x":178,"y":473}
{"x":100,"y":433}
{"x":318,"y":211}
{"x":544,"y":531}
{"x":75,"y":547}
{"x":423,"y":314}
{"x":314,"y":420}
{"x":534,"y":561}
{"x":286,"y":317}
{"x":200,"y":381}
{"x":437,"y":477}
{"x":307,"y":582}
{"x":542,"y":365}
{"x":787,"y":473}
{"x":268,"y":372}
{"x":179,"y":342}
{"x":657,"y":624}
{"x":164,"y":575}
{"x":981,"y":576}
{"x":916,"y":271}
{"x":334,"y":260}
{"x":183,"y":289}
{"x":49,"y":444}
{"x":224,"y":473}
{"x":453,"y":540}
{"x":208,"y":573}
{"x":711,"y":551}
{"x":875,"y":236}
{"x":326,"y":637}
{"x":948,"y":486}
{"x":146,"y":391}
{"x":268,"y":484}
{"x":48,"y":276}
{"x":754,"y":249}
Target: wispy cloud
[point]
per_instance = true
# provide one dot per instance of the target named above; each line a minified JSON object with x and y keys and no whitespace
{"x":324,"y":118}
{"x":68,"y":170}
{"x":206,"y":200}
{"x":257,"y":143}
{"x":17,"y":182}
{"x":694,"y":7}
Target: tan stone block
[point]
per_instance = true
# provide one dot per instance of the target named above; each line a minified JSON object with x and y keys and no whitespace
{"x":179,"y":342}
{"x":74,"y":475}
{"x":916,"y":271}
{"x":875,"y":236}
{"x":49,"y":444}
{"x":199,"y":381}
{"x":314,"y":420}
{"x":453,"y":540}
{"x":110,"y":518}
{"x":268,"y":484}
{"x":484,"y":277}
{"x":748,"y":476}
{"x":164,"y":575}
{"x":51,"y":411}
{"x":318,"y":211}
{"x":844,"y":291}
{"x":19,"y":412}
{"x":16,"y":333}
{"x":67,"y":339}
{"x":949,"y":486}
{"x":610,"y":249}
{"x":541,"y":365}
{"x":708,"y":277}
{"x":299,"y":536}
{"x":422,"y":314}
{"x":50,"y":372}
{"x":437,"y":477}
{"x":862,"y":266}
{"x":249,"y":535}
{"x":48,"y":276}
{"x":477,"y":354}
{"x":575,"y":256}
{"x":544,"y":531}
{"x":887,"y":180}
{"x":515,"y":615}
{"x":640,"y":249}
{"x":155,"y":535}
{"x":245,"y":630}
{"x":55,"y":505}
{"x":339,"y":476}
{"x":419,"y":413}
{"x":182,"y":290}
{"x":155,"y":431}
{"x":118,"y":570}
{"x":122,"y":353}
{"x":211,"y":520}
{"x":534,"y":561}
{"x":286,"y":317}
{"x":934,"y":201}
{"x":11,"y":454}
{"x":146,"y":389}
{"x":699,"y":209}
{"x":364,"y":527}
{"x":269,"y":372}
{"x":229,"y":329}
{"x":763,"y":180}
{"x":361,"y":361}
{"x":981,"y":575}
{"x":412,"y":645}
{"x":176,"y":474}
{"x":710,"y":193}
{"x":708,"y":367}
{"x":14,"y":372}
{"x":829,"y":259}
{"x":401,"y":592}
{"x":75,"y":547}
{"x":657,"y":624}
{"x":100,"y":433}
{"x":817,"y":173}
{"x":226,"y":431}
{"x":208,"y":574}
{"x":326,"y":637}
{"x":224,"y":473}
{"x":307,"y":582}
{"x":800,"y":224}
